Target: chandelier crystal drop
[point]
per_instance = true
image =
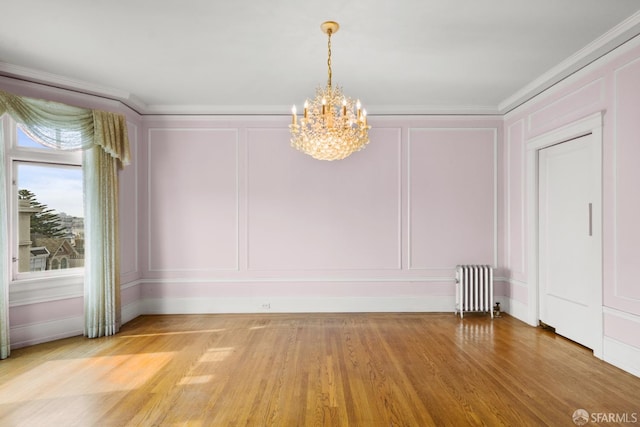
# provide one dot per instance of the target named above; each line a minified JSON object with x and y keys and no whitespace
{"x":332,"y":125}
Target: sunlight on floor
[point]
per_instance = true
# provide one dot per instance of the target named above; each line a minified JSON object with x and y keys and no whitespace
{"x":216,"y":354}
{"x":201,"y":379}
{"x":212,"y":355}
{"x":199,"y":331}
{"x":76,"y":377}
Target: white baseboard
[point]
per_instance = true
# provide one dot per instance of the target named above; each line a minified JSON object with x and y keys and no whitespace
{"x":41,"y":332}
{"x":622,"y":355}
{"x":518,"y":310}
{"x":131,"y":311}
{"x":37,"y":333}
{"x":298,"y":305}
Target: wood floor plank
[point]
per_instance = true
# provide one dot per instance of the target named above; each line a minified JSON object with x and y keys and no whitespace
{"x":379,"y":369}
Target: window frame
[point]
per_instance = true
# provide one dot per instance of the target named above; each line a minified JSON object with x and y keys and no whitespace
{"x":33,"y":287}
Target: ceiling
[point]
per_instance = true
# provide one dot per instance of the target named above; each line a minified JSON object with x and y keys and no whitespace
{"x":260,"y":57}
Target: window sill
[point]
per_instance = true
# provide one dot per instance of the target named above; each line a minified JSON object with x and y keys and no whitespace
{"x":43,"y":289}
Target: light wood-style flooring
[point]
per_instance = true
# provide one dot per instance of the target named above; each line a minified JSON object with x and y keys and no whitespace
{"x":312,"y":370}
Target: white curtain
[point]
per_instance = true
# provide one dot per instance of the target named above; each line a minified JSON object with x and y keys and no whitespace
{"x":53,"y":124}
{"x":102,"y":274}
{"x":103,"y":137}
{"x":4,"y":259}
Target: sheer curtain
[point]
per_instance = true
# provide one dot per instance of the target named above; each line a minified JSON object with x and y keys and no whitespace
{"x":102,"y":274}
{"x":4,"y":258}
{"x":103,"y":138}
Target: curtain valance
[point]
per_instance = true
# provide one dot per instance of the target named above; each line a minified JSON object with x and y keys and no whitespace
{"x":66,"y":127}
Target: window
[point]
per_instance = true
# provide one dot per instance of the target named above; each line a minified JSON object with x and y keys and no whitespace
{"x":47,"y":223}
{"x":50,"y":215}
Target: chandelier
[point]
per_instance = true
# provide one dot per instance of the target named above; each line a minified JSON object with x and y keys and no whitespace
{"x":332,"y":125}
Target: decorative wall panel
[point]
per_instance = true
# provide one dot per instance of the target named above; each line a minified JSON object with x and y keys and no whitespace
{"x":305,"y":214}
{"x":452,"y":185}
{"x":193,"y":199}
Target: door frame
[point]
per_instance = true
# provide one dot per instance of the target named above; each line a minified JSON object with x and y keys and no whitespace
{"x":588,"y":125}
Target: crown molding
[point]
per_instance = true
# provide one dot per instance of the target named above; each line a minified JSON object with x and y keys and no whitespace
{"x":612,"y":39}
{"x":62,"y":82}
{"x":283,"y":110}
{"x":217,"y":110}
{"x":408,"y":110}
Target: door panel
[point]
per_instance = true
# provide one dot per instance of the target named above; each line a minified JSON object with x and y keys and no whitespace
{"x":569,"y":240}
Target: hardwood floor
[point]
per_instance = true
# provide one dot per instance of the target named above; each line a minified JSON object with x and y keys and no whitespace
{"x":312,"y":369}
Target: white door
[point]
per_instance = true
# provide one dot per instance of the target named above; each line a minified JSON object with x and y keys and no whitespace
{"x":569,"y":204}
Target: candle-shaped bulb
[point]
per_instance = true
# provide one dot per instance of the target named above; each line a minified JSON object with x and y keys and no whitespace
{"x":344,"y":107}
{"x":324,"y":106}
{"x":294,"y":117}
{"x":364,"y":117}
{"x":358,"y":108}
{"x":306,"y":108}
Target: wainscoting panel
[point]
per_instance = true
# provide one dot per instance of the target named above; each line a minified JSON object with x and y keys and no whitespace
{"x":304,"y":214}
{"x":622,"y":340}
{"x":516,"y":225}
{"x":452,"y":197}
{"x":45,"y":321}
{"x":625,"y":293}
{"x":193,"y":199}
{"x":51,"y":330}
{"x":128,"y":215}
{"x":176,"y":296}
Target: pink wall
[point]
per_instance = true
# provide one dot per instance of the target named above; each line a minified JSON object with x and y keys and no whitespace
{"x":227,"y":203}
{"x":612,"y":86}
{"x":128,"y":219}
{"x":192,"y":203}
{"x":302,"y":214}
{"x":452,"y":197}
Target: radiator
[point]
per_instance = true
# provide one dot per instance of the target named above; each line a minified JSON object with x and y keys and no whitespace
{"x":474,"y":289}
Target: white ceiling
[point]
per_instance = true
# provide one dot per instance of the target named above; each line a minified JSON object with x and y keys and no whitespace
{"x":259,"y":57}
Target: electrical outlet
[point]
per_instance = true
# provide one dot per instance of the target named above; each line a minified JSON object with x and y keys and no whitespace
{"x":266,"y":306}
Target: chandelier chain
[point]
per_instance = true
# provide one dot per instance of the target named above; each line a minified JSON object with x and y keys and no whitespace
{"x":329,"y":58}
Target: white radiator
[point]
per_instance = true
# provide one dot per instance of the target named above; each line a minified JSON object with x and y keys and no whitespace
{"x":474,"y":289}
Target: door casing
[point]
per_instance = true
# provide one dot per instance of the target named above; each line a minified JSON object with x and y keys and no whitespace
{"x":588,"y":125}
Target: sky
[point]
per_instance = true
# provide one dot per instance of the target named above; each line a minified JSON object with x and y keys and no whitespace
{"x":58,"y":187}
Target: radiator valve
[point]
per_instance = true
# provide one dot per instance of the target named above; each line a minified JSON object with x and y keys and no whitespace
{"x":496,"y":310}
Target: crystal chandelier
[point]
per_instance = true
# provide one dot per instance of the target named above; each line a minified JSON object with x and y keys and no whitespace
{"x":332,"y":126}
